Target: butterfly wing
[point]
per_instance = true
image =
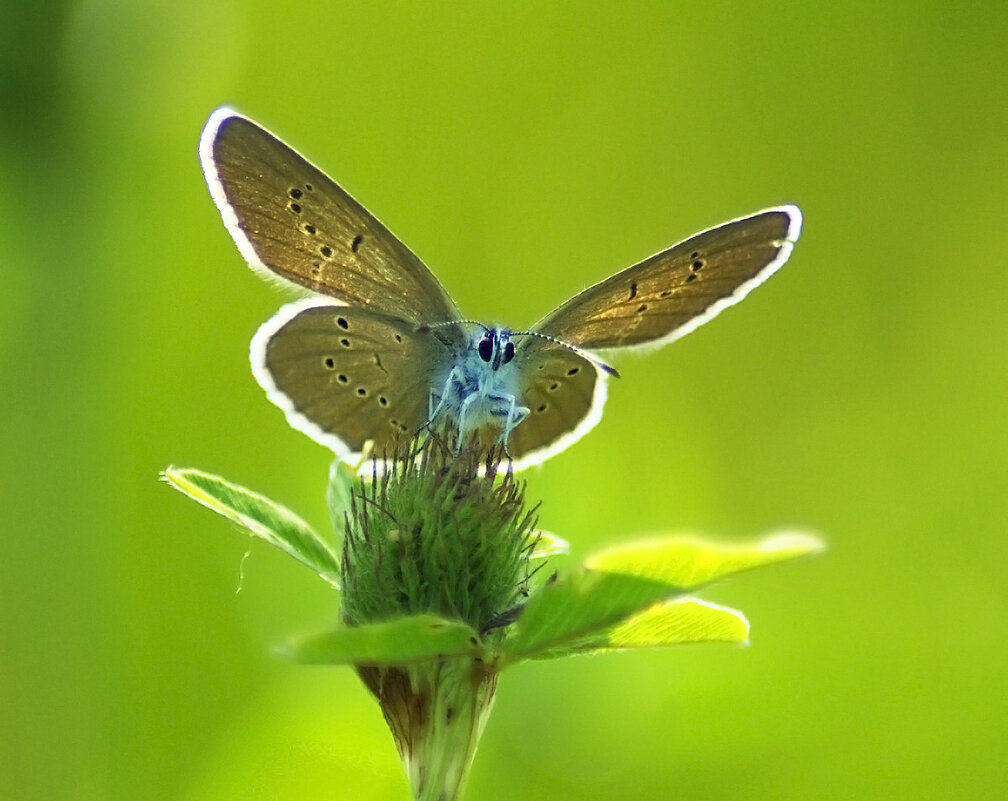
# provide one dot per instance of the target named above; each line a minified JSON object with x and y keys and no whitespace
{"x":345,"y":375}
{"x":291,"y":220}
{"x":671,"y":293}
{"x":564,"y":393}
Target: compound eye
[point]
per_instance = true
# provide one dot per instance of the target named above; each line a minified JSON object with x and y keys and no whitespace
{"x":485,"y":349}
{"x":508,"y":352}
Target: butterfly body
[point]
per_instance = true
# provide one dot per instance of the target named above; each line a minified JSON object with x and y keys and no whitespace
{"x":481,"y":388}
{"x":380,"y":352}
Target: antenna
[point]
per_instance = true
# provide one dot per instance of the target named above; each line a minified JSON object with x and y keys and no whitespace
{"x":423,"y":329}
{"x":583,"y":354}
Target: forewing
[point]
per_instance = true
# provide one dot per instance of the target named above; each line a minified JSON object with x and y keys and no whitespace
{"x":345,"y":375}
{"x":671,"y":293}
{"x":288,"y":218}
{"x":564,"y":393}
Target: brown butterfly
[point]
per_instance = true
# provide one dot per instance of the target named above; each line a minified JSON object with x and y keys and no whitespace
{"x":380,"y":351}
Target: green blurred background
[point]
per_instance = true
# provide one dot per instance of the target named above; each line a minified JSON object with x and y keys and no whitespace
{"x":523,"y":150}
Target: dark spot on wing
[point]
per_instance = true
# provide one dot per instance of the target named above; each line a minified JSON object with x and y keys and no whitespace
{"x":345,"y":342}
{"x":308,"y":187}
{"x":342,"y":323}
{"x":665,"y":293}
{"x":642,"y":308}
{"x":309,"y":228}
{"x":554,"y":386}
{"x":697,"y":265}
{"x":329,"y":362}
{"x":326,"y":251}
{"x":398,"y":337}
{"x":295,"y":193}
{"x":342,"y":379}
{"x":362,"y":391}
{"x":542,"y":408}
{"x":382,"y":400}
{"x":574,"y":370}
{"x":356,"y":243}
{"x":633,"y":290}
{"x":295,"y":207}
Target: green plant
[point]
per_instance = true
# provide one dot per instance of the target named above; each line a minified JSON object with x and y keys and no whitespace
{"x":440,"y":574}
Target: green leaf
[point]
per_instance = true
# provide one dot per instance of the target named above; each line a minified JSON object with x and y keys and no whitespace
{"x":570,"y":610}
{"x":395,"y":642}
{"x":612,"y":602}
{"x":680,"y":621}
{"x":342,"y":480}
{"x":547,"y":545}
{"x":262,"y":517}
{"x":688,"y":562}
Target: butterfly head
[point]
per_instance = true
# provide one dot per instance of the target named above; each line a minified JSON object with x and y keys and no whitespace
{"x":495,"y":347}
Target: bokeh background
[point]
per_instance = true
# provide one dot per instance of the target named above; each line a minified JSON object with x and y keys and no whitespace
{"x":523,"y":150}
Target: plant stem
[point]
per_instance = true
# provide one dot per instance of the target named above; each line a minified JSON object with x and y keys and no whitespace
{"x":436,"y":711}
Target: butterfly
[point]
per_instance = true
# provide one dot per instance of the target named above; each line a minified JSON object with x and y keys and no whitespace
{"x":379,"y":351}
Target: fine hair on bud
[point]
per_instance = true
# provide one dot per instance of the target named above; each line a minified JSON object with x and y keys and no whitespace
{"x":439,"y":531}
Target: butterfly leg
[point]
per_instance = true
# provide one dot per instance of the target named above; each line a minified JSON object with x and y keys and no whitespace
{"x":423,"y":432}
{"x":512,"y":417}
{"x":434,"y":410}
{"x":462,"y":419}
{"x":455,"y":399}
